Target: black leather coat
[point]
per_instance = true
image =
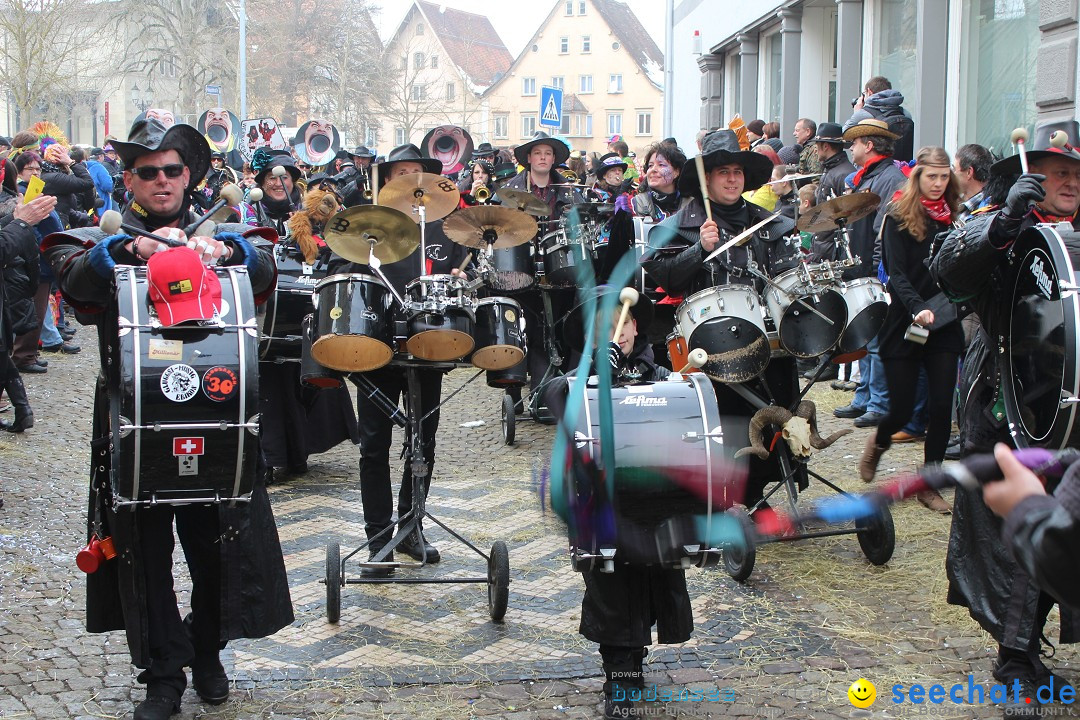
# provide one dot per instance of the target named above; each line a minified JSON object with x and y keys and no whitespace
{"x":18,"y":279}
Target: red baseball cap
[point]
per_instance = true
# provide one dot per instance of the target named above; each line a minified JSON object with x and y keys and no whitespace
{"x":181,"y":287}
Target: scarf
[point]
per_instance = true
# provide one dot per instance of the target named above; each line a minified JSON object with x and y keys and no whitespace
{"x":938,"y":210}
{"x":736,"y":216}
{"x":667,"y":202}
{"x":154,"y":222}
{"x":277,"y":208}
{"x":870,"y":162}
{"x":1047,"y":218}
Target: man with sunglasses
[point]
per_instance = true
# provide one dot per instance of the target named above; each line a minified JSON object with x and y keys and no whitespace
{"x":239,"y":587}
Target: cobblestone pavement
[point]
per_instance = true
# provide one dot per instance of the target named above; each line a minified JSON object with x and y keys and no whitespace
{"x":813,"y":617}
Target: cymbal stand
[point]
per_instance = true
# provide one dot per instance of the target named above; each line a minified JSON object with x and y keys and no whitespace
{"x":376,"y":264}
{"x":421,"y":212}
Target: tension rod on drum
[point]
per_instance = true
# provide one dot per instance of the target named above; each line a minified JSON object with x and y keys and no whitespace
{"x":799,"y":300}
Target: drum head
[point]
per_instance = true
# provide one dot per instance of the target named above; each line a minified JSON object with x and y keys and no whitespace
{"x":805,"y":333}
{"x":351,"y":353}
{"x":440,"y":345}
{"x":862,"y":328}
{"x":738,"y":350}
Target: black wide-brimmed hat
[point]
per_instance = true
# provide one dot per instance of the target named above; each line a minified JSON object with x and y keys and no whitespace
{"x":1043,"y":146}
{"x":721,"y":147}
{"x":263,"y":161}
{"x":484,"y":150}
{"x":574,"y":324}
{"x":562,"y":152}
{"x":362,"y":151}
{"x":150,"y":135}
{"x":827,"y":132}
{"x":408,"y":153}
{"x":608,"y":161}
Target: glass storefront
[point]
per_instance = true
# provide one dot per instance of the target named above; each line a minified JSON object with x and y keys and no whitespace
{"x":895,"y":30}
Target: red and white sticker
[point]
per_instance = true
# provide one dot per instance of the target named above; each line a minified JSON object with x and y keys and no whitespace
{"x":182,"y":446}
{"x":220,"y":383}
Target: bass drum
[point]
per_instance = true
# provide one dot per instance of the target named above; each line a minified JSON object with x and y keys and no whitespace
{"x":184,"y":399}
{"x":867,"y":307}
{"x":500,"y":334}
{"x":808,"y":324}
{"x":1042,"y":383}
{"x":674,"y":474}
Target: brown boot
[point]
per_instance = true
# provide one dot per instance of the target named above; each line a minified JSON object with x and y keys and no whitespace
{"x":933,"y":500}
{"x":870,"y":458}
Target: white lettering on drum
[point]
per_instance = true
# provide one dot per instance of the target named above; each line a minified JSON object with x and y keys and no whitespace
{"x":642,"y":401}
{"x":1042,"y":278}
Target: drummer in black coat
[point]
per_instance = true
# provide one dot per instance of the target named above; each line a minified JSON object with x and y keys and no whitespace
{"x":973,"y":264}
{"x":239,"y":587}
{"x":686,"y":238}
{"x":376,"y":428}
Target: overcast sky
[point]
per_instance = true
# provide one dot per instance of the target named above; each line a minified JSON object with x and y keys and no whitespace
{"x":517,"y":20}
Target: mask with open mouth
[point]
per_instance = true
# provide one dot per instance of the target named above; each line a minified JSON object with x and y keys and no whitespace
{"x":221,"y":128}
{"x":317,"y":142}
{"x":449,"y":144}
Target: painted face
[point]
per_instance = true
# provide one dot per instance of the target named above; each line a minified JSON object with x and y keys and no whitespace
{"x":726,"y":183}
{"x":162,"y":195}
{"x":165,"y":116}
{"x":219,"y":129}
{"x":933,"y":181}
{"x":1062,"y":184}
{"x":660,"y":174}
{"x":273,"y":189}
{"x":541,"y":158}
{"x":614,"y":176}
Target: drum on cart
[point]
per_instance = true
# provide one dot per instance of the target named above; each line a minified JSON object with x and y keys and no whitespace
{"x":809,"y":313}
{"x":354,"y":323}
{"x":184,"y":399}
{"x":441,"y":317}
{"x":1042,"y":379}
{"x":280,"y":316}
{"x":729,"y":325}
{"x":499,"y":334}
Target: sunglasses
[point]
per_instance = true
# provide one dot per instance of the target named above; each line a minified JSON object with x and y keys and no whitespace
{"x":150,"y":172}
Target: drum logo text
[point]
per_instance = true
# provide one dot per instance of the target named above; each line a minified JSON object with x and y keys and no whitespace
{"x":220,"y":383}
{"x":1042,"y":279}
{"x":644,"y":401}
{"x":179,"y":382}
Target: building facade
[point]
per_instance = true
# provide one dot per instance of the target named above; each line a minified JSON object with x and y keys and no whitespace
{"x":610,"y":71}
{"x":970,"y":70}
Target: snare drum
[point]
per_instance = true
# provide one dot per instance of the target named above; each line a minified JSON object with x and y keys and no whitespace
{"x":281,"y":314}
{"x":513,"y":269}
{"x":499,"y":334}
{"x":809,"y":314}
{"x":440,"y":317}
{"x":728,"y":324}
{"x":1042,"y":380}
{"x":354,"y":325}
{"x":184,"y":411}
{"x":563,"y":255}
{"x":673,"y":476}
{"x":867,"y":307}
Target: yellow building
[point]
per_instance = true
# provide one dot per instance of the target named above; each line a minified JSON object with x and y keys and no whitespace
{"x":609,"y":68}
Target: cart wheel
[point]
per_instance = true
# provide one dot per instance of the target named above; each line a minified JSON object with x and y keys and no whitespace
{"x":509,"y":420}
{"x":498,"y":581}
{"x":739,"y":558}
{"x":333,"y":582}
{"x":877,"y":536}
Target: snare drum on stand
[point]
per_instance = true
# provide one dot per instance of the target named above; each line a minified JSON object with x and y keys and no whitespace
{"x":441,"y":317}
{"x":809,"y":314}
{"x":729,"y":325}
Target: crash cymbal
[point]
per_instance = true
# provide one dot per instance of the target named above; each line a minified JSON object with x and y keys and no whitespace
{"x":846,"y":209}
{"x":474,"y":226}
{"x":351,"y":232}
{"x":523,"y":201}
{"x":439,"y":195}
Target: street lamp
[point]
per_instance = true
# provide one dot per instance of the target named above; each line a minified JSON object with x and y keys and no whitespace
{"x":142,"y":99}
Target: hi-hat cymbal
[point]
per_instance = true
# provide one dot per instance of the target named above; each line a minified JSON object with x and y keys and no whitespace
{"x":842,"y":210}
{"x":439,"y":196}
{"x":352,"y":231}
{"x":523,"y":201}
{"x":475,"y":226}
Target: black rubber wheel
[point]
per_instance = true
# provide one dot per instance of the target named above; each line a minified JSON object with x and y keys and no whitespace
{"x":739,"y":558}
{"x":333,"y":582}
{"x":509,"y":420}
{"x":877,"y":536}
{"x":498,"y":581}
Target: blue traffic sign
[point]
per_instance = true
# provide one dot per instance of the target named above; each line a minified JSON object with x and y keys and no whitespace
{"x":551,"y":106}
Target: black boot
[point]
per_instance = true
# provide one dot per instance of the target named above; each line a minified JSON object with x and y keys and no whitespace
{"x":24,"y":416}
{"x":416,"y":546}
{"x":623,"y":680}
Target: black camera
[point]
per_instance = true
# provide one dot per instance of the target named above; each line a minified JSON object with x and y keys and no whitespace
{"x":855,"y":100}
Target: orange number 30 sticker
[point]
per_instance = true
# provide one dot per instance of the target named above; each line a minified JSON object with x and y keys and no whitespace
{"x":220,"y":383}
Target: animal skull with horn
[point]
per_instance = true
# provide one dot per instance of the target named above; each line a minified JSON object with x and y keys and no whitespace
{"x":799,"y":429}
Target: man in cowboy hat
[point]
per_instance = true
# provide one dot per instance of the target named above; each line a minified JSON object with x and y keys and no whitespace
{"x":974,"y":263}
{"x":872,"y":146}
{"x":376,"y":428}
{"x":239,"y":587}
{"x":485,"y":151}
{"x":835,"y":167}
{"x":687,"y":237}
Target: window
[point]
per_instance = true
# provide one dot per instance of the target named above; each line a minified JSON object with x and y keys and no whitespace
{"x":558,"y":81}
{"x":167,"y":67}
{"x":434,"y":61}
{"x":569,"y":7}
{"x":449,"y":91}
{"x":614,"y":123}
{"x":644,"y":122}
{"x":502,"y":127}
{"x":528,"y":125}
{"x":615,"y":83}
{"x":585,"y":84}
{"x":419,"y":28}
{"x":399,"y":136}
{"x":564,"y":45}
{"x":528,"y":86}
{"x":417,"y":92}
{"x":895,"y":45}
{"x":564,"y":128}
{"x":581,"y":7}
{"x":404,"y":62}
{"x":587,"y":129}
{"x":586,"y":44}
{"x":418,"y":61}
{"x":776,"y":61}
{"x":370,"y":136}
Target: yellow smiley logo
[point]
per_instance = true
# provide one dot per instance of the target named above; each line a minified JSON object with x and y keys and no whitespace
{"x":862,"y":693}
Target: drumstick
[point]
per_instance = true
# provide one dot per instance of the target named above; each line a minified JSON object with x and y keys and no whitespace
{"x":700,"y":162}
{"x":696,"y":359}
{"x":1019,"y":137}
{"x":468,"y":258}
{"x":111,"y":221}
{"x":374,"y":183}
{"x":627,"y":296}
{"x":737,"y":240}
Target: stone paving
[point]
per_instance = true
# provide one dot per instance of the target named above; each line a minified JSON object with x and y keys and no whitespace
{"x":813,"y":617}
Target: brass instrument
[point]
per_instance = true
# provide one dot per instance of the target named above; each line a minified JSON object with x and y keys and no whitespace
{"x":570,"y":176}
{"x":367,"y":182}
{"x":482,"y":194}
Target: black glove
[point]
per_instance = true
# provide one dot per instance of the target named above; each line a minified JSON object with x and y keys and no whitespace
{"x":1027,"y":191}
{"x":616,"y":358}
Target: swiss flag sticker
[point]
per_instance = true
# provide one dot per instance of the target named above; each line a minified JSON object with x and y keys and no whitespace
{"x":187,"y":446}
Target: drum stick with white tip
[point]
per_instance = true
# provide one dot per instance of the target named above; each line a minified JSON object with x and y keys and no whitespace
{"x":255,"y":195}
{"x":702,"y":181}
{"x":1019,"y":137}
{"x":112,"y":221}
{"x":1059,"y":139}
{"x":696,"y":359}
{"x":627,"y":296}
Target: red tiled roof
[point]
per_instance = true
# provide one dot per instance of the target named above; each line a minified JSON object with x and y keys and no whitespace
{"x":633,"y":36}
{"x":469,"y":40}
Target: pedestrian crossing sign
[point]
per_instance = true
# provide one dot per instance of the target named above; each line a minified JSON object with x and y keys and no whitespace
{"x":551,"y":106}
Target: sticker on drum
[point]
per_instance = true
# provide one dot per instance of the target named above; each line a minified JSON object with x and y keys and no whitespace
{"x":220,"y":383}
{"x":510,"y":316}
{"x":335,"y":312}
{"x":179,"y":382}
{"x":162,"y":349}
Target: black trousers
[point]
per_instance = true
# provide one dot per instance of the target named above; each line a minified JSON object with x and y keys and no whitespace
{"x":176,"y":643}
{"x":532,"y":306}
{"x":376,"y":437}
{"x":902,"y":375}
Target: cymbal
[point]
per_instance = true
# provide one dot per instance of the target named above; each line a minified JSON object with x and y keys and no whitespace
{"x":790,"y":178}
{"x":440,"y":196}
{"x":472,"y":226}
{"x":350,"y":234}
{"x":846,"y":209}
{"x":523,"y":201}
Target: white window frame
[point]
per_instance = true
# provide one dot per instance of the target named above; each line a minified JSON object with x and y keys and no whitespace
{"x":501,"y":124}
{"x":528,"y":124}
{"x":416,"y":92}
{"x":614,"y":122}
{"x":558,"y":81}
{"x":569,"y":8}
{"x":451,"y":93}
{"x":581,"y":7}
{"x":585,"y":84}
{"x":564,"y":44}
{"x":528,"y":86}
{"x":615,"y":84}
{"x":399,"y":136}
{"x":647,"y":116}
{"x":586,"y":44}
